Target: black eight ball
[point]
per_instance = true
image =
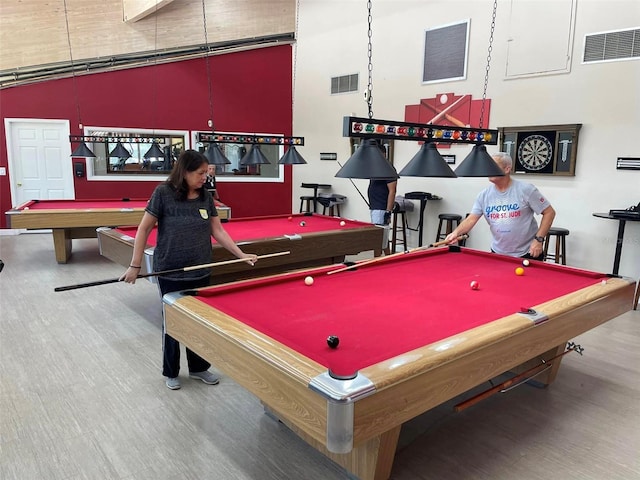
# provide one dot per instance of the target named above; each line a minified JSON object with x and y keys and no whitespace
{"x":333,"y":341}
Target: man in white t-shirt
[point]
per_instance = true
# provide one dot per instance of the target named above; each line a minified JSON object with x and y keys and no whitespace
{"x":509,"y":207}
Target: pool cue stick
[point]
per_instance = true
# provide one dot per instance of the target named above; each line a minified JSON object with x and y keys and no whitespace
{"x":166,"y":272}
{"x":522,"y":377}
{"x":393,"y":255}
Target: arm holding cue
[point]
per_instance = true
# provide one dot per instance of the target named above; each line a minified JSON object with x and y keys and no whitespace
{"x":166,"y":272}
{"x":517,"y":380}
{"x":393,"y":255}
{"x":145,"y":227}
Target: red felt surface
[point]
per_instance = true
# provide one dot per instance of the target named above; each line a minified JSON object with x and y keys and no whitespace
{"x":256,"y":228}
{"x":391,"y":307}
{"x":84,"y":204}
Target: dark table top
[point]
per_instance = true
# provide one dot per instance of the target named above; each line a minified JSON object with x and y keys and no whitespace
{"x":616,"y":217}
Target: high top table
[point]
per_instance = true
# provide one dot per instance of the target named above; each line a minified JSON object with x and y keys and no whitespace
{"x":622,"y":221}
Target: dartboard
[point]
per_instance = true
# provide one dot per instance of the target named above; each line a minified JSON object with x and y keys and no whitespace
{"x":535,"y":152}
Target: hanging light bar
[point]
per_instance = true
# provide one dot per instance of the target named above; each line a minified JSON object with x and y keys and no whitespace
{"x":253,"y":139}
{"x":374,"y":128}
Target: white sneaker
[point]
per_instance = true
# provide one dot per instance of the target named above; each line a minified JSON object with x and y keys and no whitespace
{"x":173,"y":383}
{"x":206,"y":376}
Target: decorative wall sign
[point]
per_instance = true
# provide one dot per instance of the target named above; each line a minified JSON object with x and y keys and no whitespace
{"x":449,"y":109}
{"x":545,"y":150}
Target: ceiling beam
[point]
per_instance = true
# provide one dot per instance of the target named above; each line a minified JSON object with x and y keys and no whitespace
{"x":134,"y":10}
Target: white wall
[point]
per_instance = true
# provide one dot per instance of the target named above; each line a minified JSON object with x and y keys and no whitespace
{"x":604,"y":98}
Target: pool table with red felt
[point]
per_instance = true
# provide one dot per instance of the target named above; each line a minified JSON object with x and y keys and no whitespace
{"x":323,"y":240}
{"x":69,"y":219}
{"x":413,"y":334}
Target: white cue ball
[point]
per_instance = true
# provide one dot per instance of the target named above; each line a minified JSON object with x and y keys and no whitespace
{"x":26,"y":208}
{"x":604,"y":282}
{"x":308,"y":281}
{"x":342,"y":224}
{"x":525,"y":262}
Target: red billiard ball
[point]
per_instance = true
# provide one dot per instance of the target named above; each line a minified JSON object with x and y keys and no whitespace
{"x":333,"y":341}
{"x":474,"y":285}
{"x":290,"y":218}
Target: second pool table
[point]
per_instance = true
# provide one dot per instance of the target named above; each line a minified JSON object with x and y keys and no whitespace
{"x":412,"y":336}
{"x":69,"y":219}
{"x":323,"y":240}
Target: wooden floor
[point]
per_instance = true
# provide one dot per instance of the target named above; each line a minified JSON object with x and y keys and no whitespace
{"x":82,"y":397}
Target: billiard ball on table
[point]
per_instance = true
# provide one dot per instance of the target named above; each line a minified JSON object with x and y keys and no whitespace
{"x":333,"y":341}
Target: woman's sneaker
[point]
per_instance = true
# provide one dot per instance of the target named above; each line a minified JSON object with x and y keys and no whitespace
{"x":173,"y":383}
{"x":206,"y":376}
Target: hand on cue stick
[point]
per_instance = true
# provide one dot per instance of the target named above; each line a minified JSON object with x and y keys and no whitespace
{"x":166,"y":272}
{"x":393,"y":255}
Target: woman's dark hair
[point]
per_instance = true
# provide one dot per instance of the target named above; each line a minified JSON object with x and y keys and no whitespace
{"x":188,"y":161}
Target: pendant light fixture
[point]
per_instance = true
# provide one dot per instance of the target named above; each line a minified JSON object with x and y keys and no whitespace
{"x":367,"y":161}
{"x":82,"y":150}
{"x":479,"y":163}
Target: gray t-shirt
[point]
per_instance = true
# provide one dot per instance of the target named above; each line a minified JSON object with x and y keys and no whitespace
{"x":510,"y":215}
{"x":184,"y":232}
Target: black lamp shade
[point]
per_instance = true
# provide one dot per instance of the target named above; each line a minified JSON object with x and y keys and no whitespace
{"x":367,"y":162}
{"x":119,"y":151}
{"x":479,"y":164}
{"x":83,"y":151}
{"x":215,"y":156}
{"x":292,"y":157}
{"x":427,"y":163}
{"x":154,"y":152}
{"x":254,"y":157}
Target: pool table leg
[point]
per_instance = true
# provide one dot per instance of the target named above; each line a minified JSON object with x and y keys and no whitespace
{"x":371,"y":460}
{"x":549,"y":375}
{"x":61,"y":244}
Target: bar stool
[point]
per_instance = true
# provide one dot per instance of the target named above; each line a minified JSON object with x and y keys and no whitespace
{"x":331,"y":202}
{"x":448,"y":222}
{"x":559,"y":255}
{"x":308,"y":208}
{"x":396,"y":228}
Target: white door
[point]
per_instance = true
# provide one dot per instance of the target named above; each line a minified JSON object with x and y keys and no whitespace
{"x":39,"y":159}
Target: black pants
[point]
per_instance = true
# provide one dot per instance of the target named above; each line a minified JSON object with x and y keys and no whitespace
{"x":170,"y":346}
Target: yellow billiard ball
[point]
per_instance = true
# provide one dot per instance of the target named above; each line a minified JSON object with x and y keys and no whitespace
{"x":519,"y":271}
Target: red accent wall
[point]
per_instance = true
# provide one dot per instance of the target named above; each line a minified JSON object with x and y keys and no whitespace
{"x":251,"y":93}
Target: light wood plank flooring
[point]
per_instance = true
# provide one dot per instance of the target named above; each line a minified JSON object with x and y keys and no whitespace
{"x":82,"y":397}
